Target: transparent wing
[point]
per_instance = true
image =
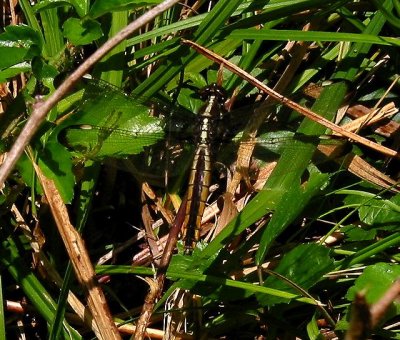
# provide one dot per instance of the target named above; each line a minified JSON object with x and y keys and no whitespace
{"x":108,"y":123}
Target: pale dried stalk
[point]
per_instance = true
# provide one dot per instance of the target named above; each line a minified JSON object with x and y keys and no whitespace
{"x":377,"y":115}
{"x":80,"y":260}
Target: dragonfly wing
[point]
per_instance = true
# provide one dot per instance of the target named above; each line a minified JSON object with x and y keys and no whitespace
{"x":110,"y":124}
{"x":277,"y":141}
{"x":95,"y":142}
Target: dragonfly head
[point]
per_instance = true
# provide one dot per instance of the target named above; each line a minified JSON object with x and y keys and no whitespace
{"x":213,"y":90}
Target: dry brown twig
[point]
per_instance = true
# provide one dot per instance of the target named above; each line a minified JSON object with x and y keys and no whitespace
{"x":373,"y":175}
{"x":155,"y":291}
{"x":289,"y":103}
{"x":245,"y":151}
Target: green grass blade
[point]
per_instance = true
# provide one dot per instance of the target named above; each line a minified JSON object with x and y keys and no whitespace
{"x":56,"y":327}
{"x":114,"y":61}
{"x":385,"y":10}
{"x":192,"y":276}
{"x":53,"y":36}
{"x":254,"y":34}
{"x":350,"y":66}
{"x":285,"y":179}
{"x":207,"y":29}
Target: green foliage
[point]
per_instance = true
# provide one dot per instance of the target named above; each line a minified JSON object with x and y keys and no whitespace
{"x":302,"y":267}
{"x":373,"y":284}
{"x":375,"y":281}
{"x":270,"y":271}
{"x":18,"y":44}
{"x":374,"y":210}
{"x":82,"y":32}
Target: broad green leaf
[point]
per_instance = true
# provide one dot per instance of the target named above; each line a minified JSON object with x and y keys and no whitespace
{"x":305,"y":265}
{"x":79,"y":5}
{"x":187,"y":100}
{"x":381,"y":212}
{"x":356,"y":233}
{"x":27,"y":173}
{"x":13,"y":70}
{"x":313,"y":330}
{"x":47,"y":4}
{"x":374,"y":210}
{"x":55,"y":162}
{"x":44,"y":72}
{"x":375,"y":281}
{"x":82,"y":32}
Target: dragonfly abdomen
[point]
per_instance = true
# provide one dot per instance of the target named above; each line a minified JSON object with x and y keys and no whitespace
{"x":200,"y":173}
{"x":198,"y":189}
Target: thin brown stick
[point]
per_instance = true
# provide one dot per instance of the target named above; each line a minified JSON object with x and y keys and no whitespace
{"x":289,"y":103}
{"x":245,"y":150}
{"x":147,"y":309}
{"x":40,"y":111}
{"x":155,"y":291}
{"x":173,"y":237}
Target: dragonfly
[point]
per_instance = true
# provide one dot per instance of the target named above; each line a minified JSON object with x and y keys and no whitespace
{"x":200,"y":172}
{"x":108,"y":123}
